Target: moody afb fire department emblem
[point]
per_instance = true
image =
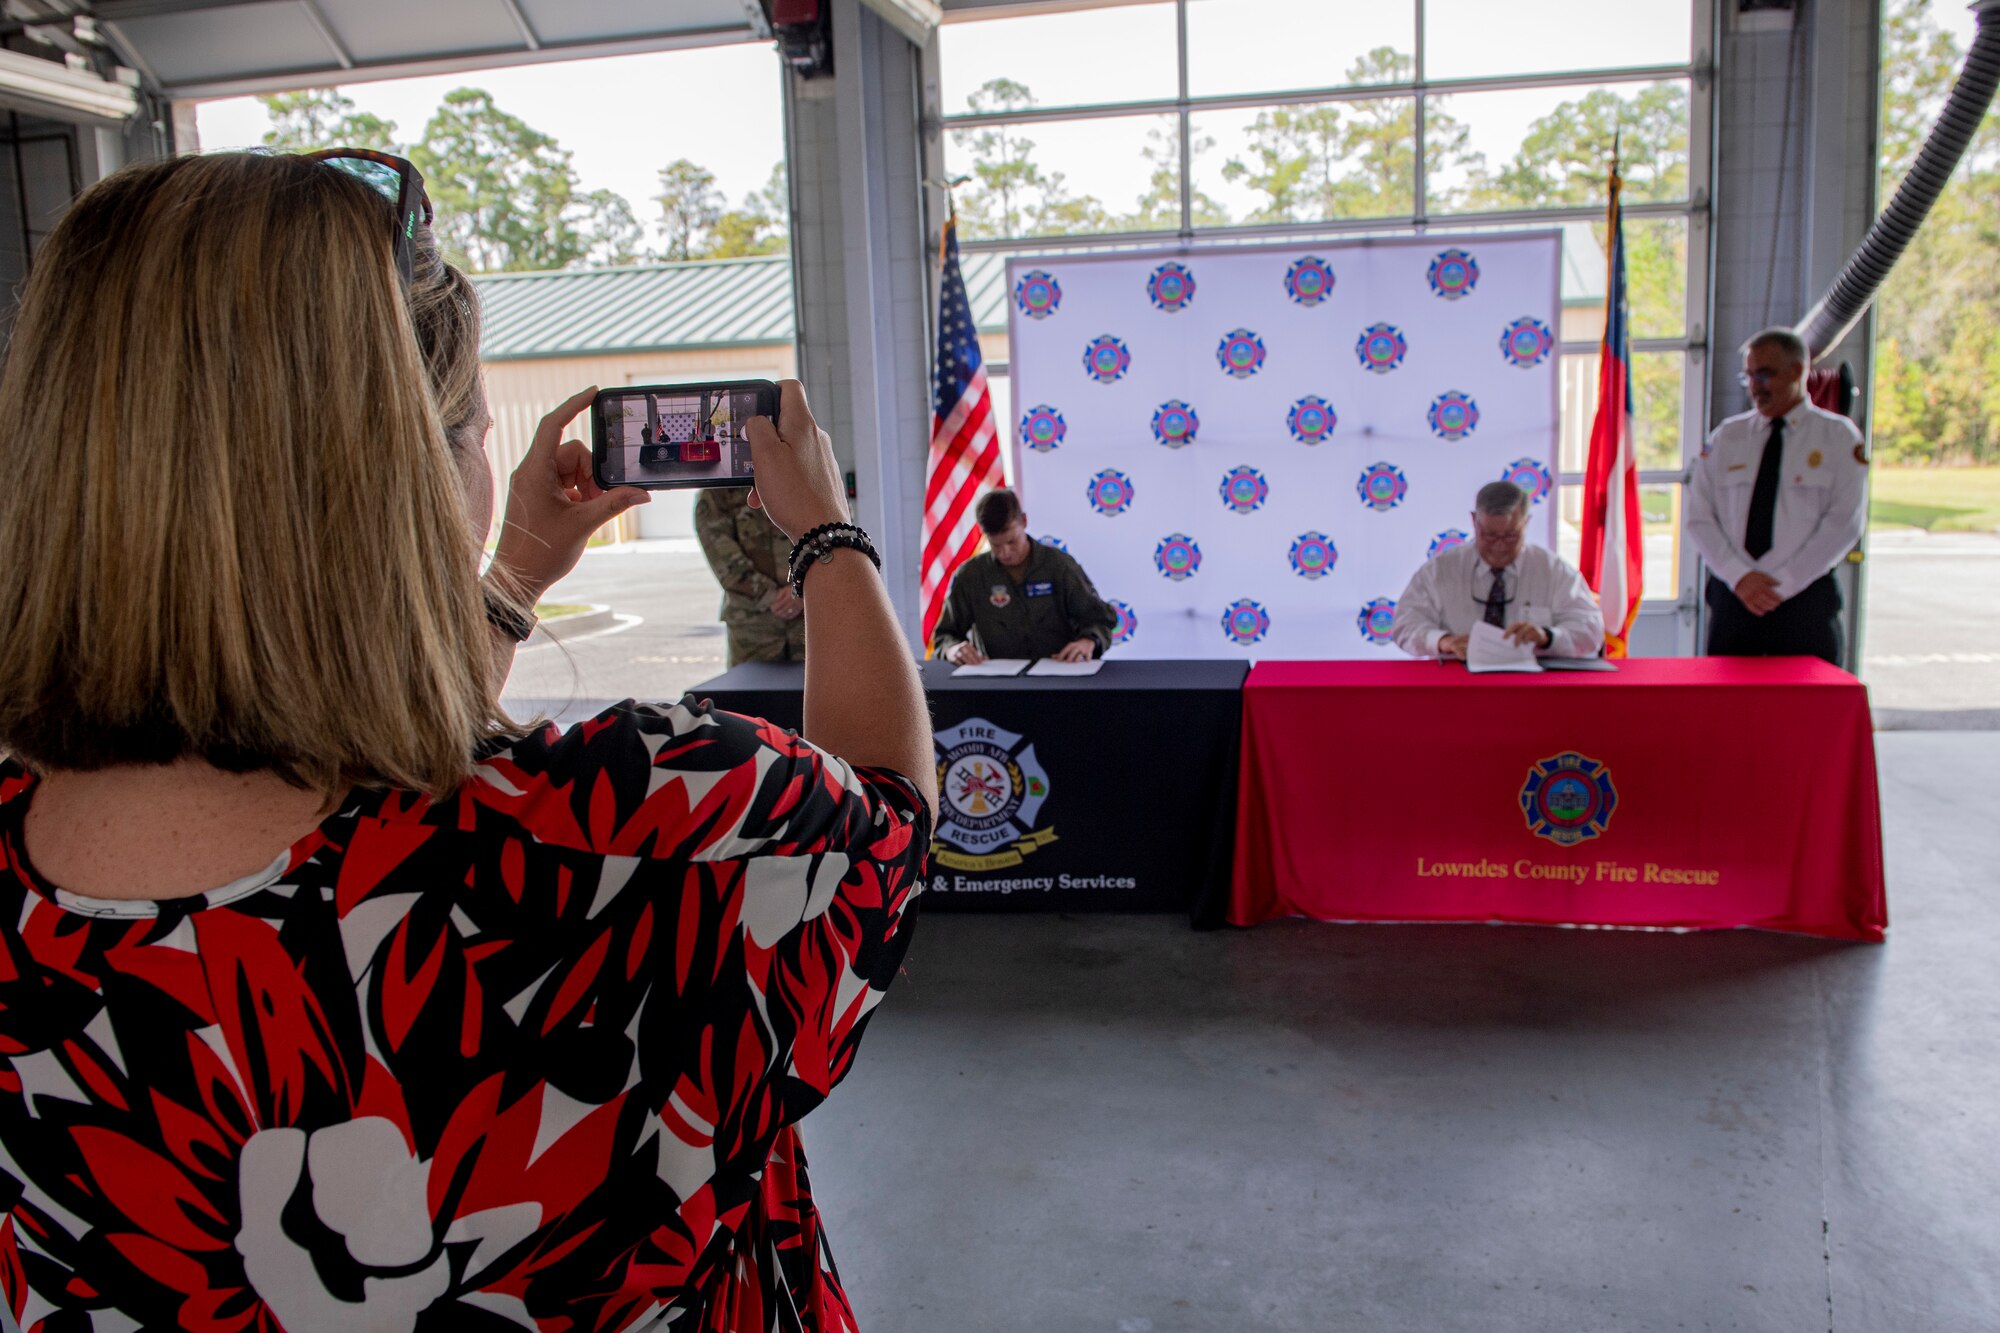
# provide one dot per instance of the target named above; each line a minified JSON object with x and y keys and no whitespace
{"x":1527,"y":342}
{"x":1453,"y":415}
{"x":1043,"y":428}
{"x":1445,"y":540}
{"x":1171,"y":287}
{"x":1038,"y":294}
{"x":1309,"y":280}
{"x":991,"y":788}
{"x":1311,"y":419}
{"x":1128,"y":623}
{"x":1453,"y":274}
{"x":1240,"y":353}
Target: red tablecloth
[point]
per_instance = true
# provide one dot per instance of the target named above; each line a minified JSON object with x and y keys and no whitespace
{"x":1704,"y":792}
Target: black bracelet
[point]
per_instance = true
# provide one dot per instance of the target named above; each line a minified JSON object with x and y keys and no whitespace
{"x":822,"y":547}
{"x":515,"y":624}
{"x":814,"y":534}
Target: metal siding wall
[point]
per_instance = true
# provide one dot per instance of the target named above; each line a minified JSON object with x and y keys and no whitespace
{"x":1795,"y":190}
{"x":863,"y":295}
{"x":1794,"y":182}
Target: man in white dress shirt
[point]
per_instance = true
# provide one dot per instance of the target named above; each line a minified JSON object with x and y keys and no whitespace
{"x":1498,"y":577}
{"x":1777,"y":500}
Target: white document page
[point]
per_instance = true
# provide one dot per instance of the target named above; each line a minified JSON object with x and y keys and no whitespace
{"x":994,"y":666}
{"x":1048,"y":666}
{"x":1492,"y":650}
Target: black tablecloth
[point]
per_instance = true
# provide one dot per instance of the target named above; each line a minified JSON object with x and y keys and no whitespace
{"x":1113,"y":792}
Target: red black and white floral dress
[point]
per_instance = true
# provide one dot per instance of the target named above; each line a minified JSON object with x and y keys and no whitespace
{"x":528,"y":1058}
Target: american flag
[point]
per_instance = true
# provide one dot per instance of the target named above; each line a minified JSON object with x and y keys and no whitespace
{"x":965,"y":446}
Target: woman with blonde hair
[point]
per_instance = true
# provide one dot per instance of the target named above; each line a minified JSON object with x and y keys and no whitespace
{"x":329,"y":997}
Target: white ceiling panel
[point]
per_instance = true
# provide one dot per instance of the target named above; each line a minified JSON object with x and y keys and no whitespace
{"x":195,"y":45}
{"x":613,"y":20}
{"x":222,"y":48}
{"x":385,"y":30}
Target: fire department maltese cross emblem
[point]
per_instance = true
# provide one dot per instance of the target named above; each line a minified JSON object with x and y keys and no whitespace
{"x":991,"y":789}
{"x":1568,"y":799}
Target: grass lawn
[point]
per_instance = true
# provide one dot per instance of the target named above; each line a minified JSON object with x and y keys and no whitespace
{"x":1937,"y":499}
{"x":554,"y":610}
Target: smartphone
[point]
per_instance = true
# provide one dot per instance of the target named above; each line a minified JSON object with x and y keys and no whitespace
{"x":670,"y":436}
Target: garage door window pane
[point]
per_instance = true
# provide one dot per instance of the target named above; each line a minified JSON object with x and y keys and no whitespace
{"x":1124,"y":53}
{"x":1660,"y":518}
{"x":1467,"y":39}
{"x":1656,"y":408}
{"x":1264,"y":46}
{"x":1067,"y":177}
{"x":1311,"y":162}
{"x":1551,"y":147}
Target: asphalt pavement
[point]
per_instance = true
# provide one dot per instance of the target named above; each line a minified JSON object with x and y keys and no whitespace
{"x":665,"y":637}
{"x":1930,"y":639}
{"x":1930,"y":648}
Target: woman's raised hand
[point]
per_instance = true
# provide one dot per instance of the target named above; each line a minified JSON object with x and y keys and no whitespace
{"x":554,"y":504}
{"x":799,"y":485}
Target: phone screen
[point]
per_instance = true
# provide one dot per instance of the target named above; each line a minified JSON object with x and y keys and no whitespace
{"x":678,"y":434}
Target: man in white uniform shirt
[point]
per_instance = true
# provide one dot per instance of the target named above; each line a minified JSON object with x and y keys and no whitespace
{"x":1777,"y":499}
{"x":1527,"y":591}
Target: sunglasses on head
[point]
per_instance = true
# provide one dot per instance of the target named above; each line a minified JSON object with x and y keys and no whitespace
{"x":396,"y":180}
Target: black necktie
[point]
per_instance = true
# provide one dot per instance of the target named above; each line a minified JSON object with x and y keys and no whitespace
{"x":1764,"y":495}
{"x":1496,"y":600}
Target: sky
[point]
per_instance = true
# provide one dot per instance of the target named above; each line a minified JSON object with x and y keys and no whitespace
{"x":624,"y":117}
{"x":619,"y":118}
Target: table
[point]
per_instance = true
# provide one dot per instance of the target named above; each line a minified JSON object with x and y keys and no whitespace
{"x":1113,"y":792}
{"x":1695,"y":792}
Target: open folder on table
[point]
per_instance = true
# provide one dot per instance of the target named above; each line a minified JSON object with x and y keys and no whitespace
{"x":1049,"y":666}
{"x":993,"y":666}
{"x":1491,"y":650}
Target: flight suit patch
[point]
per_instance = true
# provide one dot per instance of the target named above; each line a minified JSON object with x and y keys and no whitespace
{"x":1040,"y":589}
{"x":1001,"y":595}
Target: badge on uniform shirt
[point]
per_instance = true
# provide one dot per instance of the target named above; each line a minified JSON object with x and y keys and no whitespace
{"x":1813,"y":458}
{"x":1040,"y":589}
{"x":1001,"y":595}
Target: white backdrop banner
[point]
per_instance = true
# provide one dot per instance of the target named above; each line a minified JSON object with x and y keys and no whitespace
{"x":1251,"y":450}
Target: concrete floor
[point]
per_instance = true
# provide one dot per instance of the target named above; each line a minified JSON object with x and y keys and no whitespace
{"x":1114,"y":1123}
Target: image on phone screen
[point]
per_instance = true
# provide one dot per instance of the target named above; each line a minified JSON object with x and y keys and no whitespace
{"x":656,"y":436}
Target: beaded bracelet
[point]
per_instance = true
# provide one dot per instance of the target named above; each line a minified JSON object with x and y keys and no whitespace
{"x":813,"y":534}
{"x":820,"y":544}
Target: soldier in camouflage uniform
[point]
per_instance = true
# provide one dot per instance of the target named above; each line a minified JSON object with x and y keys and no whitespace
{"x":1020,"y":598}
{"x":765,"y":622}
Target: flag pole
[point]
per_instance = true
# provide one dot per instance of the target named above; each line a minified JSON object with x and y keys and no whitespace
{"x":1612,"y":556}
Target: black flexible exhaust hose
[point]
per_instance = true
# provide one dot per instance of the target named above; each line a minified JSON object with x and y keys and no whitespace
{"x":1848,"y":298}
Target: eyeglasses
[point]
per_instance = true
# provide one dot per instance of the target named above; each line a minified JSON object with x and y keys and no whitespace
{"x":1508,"y":530}
{"x":1758,"y":377}
{"x":396,"y":180}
